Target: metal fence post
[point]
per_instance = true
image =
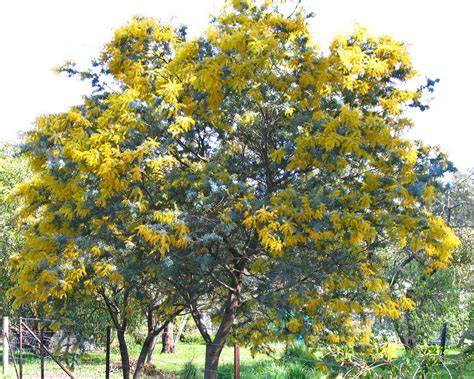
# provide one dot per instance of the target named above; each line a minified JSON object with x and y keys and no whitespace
{"x":20,"y":347}
{"x":236,"y":361}
{"x":443,"y":338}
{"x":5,"y":345}
{"x":42,"y":351}
{"x":107,"y":353}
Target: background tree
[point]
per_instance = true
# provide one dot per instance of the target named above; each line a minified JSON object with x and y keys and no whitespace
{"x":13,"y":170}
{"x":441,"y":296}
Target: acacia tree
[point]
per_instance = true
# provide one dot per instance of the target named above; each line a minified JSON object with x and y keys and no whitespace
{"x":82,"y":317}
{"x":87,"y":260}
{"x":257,"y":176}
{"x":74,"y":249}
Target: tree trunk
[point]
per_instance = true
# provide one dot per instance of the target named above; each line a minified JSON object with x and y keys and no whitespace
{"x":181,"y":329}
{"x":214,"y":349}
{"x":124,"y":354}
{"x":120,"y":321}
{"x":408,"y":343}
{"x":144,"y":352}
{"x":406,"y":333}
{"x":149,"y":356}
{"x":167,"y":339}
{"x":213,"y":352}
{"x":150,"y":342}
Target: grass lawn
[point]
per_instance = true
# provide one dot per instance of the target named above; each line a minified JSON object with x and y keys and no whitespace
{"x":92,"y":365}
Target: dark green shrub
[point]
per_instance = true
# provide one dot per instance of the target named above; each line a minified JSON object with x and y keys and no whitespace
{"x":190,"y":371}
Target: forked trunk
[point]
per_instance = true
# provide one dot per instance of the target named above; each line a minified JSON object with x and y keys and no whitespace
{"x":214,"y":349}
{"x":213,"y":352}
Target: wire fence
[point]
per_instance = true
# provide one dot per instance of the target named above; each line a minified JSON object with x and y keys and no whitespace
{"x":35,"y":349}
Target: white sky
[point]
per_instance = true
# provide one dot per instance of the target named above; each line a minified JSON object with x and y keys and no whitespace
{"x":36,"y":36}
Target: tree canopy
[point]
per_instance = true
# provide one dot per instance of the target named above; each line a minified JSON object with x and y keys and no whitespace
{"x":256,"y":176}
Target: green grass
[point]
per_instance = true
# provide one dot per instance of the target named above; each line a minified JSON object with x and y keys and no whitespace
{"x":294,"y":364}
{"x":196,"y":355}
{"x":92,"y":365}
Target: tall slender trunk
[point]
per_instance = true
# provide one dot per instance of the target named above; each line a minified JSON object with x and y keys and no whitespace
{"x":151,"y":326}
{"x":120,"y":321}
{"x":167,"y":339}
{"x":147,"y":345}
{"x":181,"y":329}
{"x":146,"y":352}
{"x":124,"y":354}
{"x":149,"y":356}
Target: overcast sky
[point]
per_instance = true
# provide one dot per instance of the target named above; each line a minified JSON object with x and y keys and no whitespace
{"x":36,"y":36}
